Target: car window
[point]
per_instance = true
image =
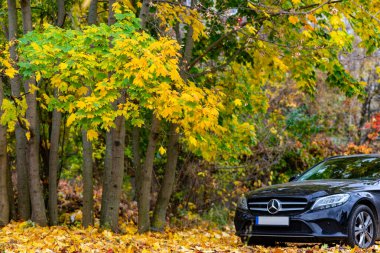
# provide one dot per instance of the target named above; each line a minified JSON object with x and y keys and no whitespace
{"x":345,"y":168}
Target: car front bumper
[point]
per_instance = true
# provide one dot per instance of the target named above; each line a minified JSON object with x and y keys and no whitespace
{"x":322,"y":225}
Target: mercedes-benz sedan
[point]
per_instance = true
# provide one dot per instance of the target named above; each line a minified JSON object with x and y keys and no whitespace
{"x":336,"y":200}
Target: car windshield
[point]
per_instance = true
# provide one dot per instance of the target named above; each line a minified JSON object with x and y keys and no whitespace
{"x":345,"y":168}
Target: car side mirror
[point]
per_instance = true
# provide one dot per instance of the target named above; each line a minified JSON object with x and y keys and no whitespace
{"x":294,"y":177}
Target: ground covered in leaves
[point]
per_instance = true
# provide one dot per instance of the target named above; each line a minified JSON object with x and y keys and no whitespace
{"x":26,"y":237}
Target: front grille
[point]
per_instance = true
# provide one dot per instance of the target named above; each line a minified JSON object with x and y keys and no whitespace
{"x":288,"y":205}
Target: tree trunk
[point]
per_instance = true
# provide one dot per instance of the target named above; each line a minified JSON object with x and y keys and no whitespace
{"x":110,"y":212}
{"x":144,"y":12}
{"x":88,"y":202}
{"x":106,"y":176}
{"x":4,"y":202}
{"x":167,"y":185}
{"x":111,"y":13}
{"x":146,"y":178}
{"x":114,"y":164}
{"x":87,"y":167}
{"x":36,"y":195}
{"x":136,"y":158}
{"x":11,"y":195}
{"x":92,"y":18}
{"x":21,"y":163}
{"x":54,"y":165}
{"x":54,"y":139}
{"x":61,"y":13}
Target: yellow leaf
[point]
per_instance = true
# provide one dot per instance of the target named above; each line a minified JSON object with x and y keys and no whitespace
{"x":238,"y":102}
{"x":35,"y":46}
{"x":10,"y":72}
{"x":335,"y":21}
{"x":293,"y":19}
{"x":62,"y":66}
{"x":38,"y":76}
{"x":250,"y":5}
{"x":81,"y":104}
{"x":193,"y":141}
{"x":82,"y":91}
{"x":27,"y":134}
{"x":162,"y":150}
{"x":296,"y":2}
{"x":70,"y":119}
{"x":91,"y":135}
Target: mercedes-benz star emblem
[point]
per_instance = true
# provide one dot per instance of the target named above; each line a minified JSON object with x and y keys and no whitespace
{"x":273,"y":206}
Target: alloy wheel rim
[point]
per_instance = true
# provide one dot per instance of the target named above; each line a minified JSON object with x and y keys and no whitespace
{"x":364,"y":229}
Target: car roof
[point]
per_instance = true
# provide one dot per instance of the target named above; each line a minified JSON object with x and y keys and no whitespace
{"x":356,"y":155}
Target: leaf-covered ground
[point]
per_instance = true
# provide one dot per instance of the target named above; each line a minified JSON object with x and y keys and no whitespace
{"x":25,"y":237}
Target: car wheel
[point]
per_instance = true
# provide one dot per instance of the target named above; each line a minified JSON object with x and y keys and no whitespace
{"x":362,"y":227}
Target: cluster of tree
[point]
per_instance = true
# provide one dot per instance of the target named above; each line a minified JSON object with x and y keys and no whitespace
{"x":154,"y":78}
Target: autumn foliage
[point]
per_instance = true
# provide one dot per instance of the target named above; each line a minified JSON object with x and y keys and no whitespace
{"x":140,"y":116}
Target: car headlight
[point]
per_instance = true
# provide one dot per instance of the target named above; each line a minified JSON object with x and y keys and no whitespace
{"x":242,"y":203}
{"x":330,"y":201}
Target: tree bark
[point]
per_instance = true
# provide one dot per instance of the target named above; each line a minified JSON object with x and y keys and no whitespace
{"x":92,"y":18}
{"x":54,"y":165}
{"x":111,"y":13}
{"x":113,"y":186}
{"x":136,"y":158}
{"x":61,"y":13}
{"x":146,"y":178}
{"x":4,"y":201}
{"x":21,"y":162}
{"x":144,"y":12}
{"x":167,"y":185}
{"x":88,"y":201}
{"x":11,"y":195}
{"x":36,"y":194}
{"x":106,"y":176}
{"x":114,"y":164}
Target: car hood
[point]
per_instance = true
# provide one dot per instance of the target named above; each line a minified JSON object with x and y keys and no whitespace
{"x":314,"y":188}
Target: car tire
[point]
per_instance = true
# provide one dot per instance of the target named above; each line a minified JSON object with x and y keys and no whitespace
{"x":362,"y":227}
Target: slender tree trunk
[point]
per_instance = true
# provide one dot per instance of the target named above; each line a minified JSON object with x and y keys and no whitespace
{"x":114,"y":164}
{"x":54,"y":139}
{"x":106,"y":176}
{"x":144,"y":12}
{"x":146,"y":178}
{"x":61,"y":13}
{"x":11,"y":195}
{"x":36,"y":194}
{"x":88,"y":188}
{"x":167,"y":185}
{"x":88,"y":202}
{"x":111,"y":13}
{"x":136,"y":158}
{"x":365,"y":114}
{"x":4,"y":201}
{"x":92,"y":18}
{"x":54,"y":165}
{"x":21,"y":163}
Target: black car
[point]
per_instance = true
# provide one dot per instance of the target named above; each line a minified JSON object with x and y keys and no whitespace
{"x":336,"y":200}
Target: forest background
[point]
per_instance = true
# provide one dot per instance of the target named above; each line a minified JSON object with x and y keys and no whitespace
{"x":164,"y":112}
